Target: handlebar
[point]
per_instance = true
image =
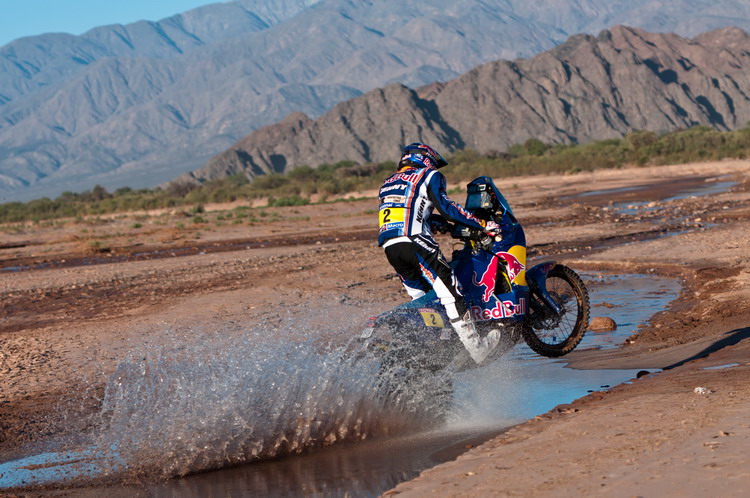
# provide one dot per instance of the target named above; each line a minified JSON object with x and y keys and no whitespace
{"x":465,"y":233}
{"x":468,"y":234}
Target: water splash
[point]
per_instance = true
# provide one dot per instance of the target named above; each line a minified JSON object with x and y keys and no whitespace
{"x":207,"y":401}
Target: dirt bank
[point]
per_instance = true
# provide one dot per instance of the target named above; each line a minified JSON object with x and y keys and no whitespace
{"x":77,"y":297}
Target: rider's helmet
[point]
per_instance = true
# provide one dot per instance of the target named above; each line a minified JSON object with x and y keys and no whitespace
{"x":421,"y":155}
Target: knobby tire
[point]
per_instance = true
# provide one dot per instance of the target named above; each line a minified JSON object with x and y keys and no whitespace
{"x":542,"y":337}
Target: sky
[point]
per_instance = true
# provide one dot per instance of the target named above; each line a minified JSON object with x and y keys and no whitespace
{"x":34,"y":17}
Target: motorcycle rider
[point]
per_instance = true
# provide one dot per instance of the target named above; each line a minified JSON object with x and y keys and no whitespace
{"x":407,"y":200}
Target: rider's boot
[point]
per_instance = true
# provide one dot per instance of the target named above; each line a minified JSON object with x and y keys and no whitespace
{"x":478,"y":347}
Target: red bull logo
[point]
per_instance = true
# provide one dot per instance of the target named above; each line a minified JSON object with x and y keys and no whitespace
{"x":407,"y":177}
{"x":487,"y":280}
{"x":503,"y":309}
{"x":513,"y":266}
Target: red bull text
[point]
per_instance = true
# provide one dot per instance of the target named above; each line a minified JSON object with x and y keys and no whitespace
{"x":502,"y":309}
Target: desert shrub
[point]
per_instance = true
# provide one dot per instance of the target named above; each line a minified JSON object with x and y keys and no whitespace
{"x":293,"y":200}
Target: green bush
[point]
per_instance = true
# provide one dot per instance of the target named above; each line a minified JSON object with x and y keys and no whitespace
{"x":293,"y":200}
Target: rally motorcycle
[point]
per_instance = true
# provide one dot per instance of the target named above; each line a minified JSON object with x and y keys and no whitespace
{"x":546,"y":305}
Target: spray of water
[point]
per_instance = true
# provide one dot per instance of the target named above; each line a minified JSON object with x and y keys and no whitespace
{"x":208,"y":400}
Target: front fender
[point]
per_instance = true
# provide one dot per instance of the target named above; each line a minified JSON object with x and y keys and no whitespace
{"x":537,"y":279}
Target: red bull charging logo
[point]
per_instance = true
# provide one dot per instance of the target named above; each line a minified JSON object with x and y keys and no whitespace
{"x":514,"y":265}
{"x":488,"y":280}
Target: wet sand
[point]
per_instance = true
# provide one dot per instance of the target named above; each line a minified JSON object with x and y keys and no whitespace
{"x":68,"y":323}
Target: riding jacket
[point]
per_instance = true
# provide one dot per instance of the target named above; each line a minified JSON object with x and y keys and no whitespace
{"x":407,"y":199}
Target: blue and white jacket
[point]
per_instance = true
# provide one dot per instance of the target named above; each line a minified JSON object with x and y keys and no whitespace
{"x":407,"y":199}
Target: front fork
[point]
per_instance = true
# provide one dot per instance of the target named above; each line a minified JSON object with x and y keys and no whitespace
{"x":537,"y":279}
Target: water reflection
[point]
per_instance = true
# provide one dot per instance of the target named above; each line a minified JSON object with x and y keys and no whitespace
{"x":365,"y":469}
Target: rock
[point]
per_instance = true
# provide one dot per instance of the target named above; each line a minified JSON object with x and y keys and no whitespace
{"x":602,"y":324}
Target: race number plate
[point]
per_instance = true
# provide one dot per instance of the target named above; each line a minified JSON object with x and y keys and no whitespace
{"x":432,"y":319}
{"x":392,"y":215}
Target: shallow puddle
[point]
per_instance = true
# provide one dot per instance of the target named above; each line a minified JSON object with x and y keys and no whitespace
{"x":722,"y":367}
{"x":662,"y":191}
{"x":245,"y":395}
{"x":643,"y":207}
{"x":710,"y":188}
{"x":363,"y":469}
{"x":630,"y":300}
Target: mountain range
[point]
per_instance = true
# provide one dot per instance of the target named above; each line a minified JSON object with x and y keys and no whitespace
{"x":139,"y":104}
{"x":589,"y":88}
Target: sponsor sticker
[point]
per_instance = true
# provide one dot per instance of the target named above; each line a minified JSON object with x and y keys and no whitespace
{"x":407,"y":177}
{"x":392,"y":187}
{"x":502,"y":309}
{"x":394,"y":199}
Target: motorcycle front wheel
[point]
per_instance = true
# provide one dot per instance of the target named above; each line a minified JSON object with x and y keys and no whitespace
{"x":549,"y":333}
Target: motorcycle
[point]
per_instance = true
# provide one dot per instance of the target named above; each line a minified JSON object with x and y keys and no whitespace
{"x":547,"y":306}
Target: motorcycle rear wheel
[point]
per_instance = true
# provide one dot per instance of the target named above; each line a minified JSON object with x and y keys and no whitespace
{"x":548,"y":333}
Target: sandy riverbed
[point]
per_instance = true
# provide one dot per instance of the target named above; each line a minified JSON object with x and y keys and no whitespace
{"x":97,"y":290}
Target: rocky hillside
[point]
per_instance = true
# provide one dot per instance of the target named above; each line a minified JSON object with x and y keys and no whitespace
{"x":138,"y":104}
{"x":588,"y":88}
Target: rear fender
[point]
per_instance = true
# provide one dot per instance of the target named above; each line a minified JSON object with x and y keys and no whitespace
{"x":422,"y":325}
{"x":537,"y":279}
{"x":419,"y":338}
